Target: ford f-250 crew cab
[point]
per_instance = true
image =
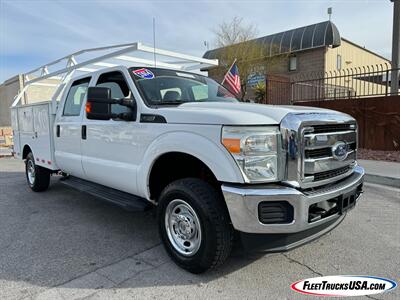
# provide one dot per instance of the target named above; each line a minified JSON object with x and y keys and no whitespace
{"x":277,"y":176}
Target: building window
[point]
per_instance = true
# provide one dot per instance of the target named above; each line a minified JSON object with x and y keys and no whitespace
{"x":339,"y":62}
{"x":292,"y":63}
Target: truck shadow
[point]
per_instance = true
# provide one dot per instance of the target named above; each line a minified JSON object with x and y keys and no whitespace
{"x":57,"y":236}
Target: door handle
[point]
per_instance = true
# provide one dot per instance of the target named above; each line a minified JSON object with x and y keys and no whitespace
{"x":58,"y":130}
{"x":83,"y":132}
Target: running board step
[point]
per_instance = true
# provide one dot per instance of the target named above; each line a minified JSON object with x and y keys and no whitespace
{"x":127,"y":201}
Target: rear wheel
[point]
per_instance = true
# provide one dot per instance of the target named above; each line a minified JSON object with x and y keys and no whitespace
{"x":194,"y":225}
{"x":38,"y":177}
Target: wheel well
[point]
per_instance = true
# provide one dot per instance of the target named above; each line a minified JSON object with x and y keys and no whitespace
{"x":26,"y":151}
{"x":176,"y":165}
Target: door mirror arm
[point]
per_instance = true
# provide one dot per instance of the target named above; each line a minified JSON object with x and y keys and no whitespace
{"x":128,"y":102}
{"x":129,"y":116}
{"x":131,"y":103}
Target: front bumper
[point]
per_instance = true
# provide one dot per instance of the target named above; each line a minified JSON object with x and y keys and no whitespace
{"x":243,"y":201}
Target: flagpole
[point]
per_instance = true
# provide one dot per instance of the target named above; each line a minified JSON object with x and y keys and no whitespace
{"x":228,"y":71}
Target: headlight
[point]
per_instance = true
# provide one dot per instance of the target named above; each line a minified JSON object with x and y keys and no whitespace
{"x":255,"y":150}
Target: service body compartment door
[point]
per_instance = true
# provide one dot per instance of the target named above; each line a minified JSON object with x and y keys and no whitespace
{"x":42,"y":143}
{"x":25,"y":126}
{"x":16,"y":138}
{"x":32,"y":127}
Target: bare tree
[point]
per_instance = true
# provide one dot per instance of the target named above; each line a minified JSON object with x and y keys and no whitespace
{"x":236,"y":40}
{"x":234,"y":32}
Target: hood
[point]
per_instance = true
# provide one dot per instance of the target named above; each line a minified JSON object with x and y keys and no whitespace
{"x":227,"y":113}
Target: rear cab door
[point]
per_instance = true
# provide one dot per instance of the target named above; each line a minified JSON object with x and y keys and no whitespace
{"x":68,"y":127}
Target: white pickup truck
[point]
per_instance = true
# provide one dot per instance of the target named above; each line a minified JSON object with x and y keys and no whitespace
{"x":143,"y":136}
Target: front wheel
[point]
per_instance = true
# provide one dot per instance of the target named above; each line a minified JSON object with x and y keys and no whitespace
{"x":38,"y":177}
{"x":194,"y":225}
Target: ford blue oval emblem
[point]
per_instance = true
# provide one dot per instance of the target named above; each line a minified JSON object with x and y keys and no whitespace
{"x":340,"y":151}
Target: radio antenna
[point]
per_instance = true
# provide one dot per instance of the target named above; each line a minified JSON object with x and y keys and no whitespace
{"x":154,"y":41}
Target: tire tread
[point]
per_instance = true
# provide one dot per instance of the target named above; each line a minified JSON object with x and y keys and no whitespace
{"x":42,"y":176}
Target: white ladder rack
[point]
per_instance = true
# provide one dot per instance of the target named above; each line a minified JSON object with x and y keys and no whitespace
{"x":64,"y":68}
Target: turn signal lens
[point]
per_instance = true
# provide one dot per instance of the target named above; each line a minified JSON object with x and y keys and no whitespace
{"x":88,"y":107}
{"x":233,"y":145}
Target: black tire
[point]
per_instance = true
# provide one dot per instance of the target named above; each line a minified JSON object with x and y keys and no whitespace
{"x":41,"y":179}
{"x":216,"y":231}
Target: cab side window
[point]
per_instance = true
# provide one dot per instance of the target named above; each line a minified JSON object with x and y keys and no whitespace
{"x":76,"y":96}
{"x":119,"y":89}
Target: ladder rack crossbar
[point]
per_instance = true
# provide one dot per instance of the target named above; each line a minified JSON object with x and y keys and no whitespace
{"x":122,"y":52}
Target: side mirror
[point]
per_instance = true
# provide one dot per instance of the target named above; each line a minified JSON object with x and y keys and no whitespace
{"x":98,"y":104}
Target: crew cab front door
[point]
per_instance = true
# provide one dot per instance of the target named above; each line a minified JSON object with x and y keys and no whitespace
{"x":108,"y":148}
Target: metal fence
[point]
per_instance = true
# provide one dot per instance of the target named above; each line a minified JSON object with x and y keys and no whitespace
{"x":349,"y":83}
{"x":277,"y":90}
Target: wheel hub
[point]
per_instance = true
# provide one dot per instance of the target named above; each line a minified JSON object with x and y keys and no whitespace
{"x":183,"y":227}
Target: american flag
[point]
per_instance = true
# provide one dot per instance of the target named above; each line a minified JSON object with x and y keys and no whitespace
{"x":232,"y":79}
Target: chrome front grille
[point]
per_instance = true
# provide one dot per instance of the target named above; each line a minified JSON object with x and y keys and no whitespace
{"x":329,"y":174}
{"x":331,"y":128}
{"x":314,"y":137}
{"x":324,"y":152}
{"x":320,"y":163}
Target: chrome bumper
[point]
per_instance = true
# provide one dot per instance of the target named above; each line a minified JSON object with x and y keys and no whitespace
{"x":243,"y":201}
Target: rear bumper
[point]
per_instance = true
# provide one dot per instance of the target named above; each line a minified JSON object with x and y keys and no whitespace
{"x":243,"y":202}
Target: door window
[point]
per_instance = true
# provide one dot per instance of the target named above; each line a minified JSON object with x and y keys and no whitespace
{"x":76,"y":96}
{"x":119,"y":89}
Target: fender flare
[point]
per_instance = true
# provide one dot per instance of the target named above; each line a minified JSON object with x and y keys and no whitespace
{"x":214,"y":156}
{"x":23,"y":149}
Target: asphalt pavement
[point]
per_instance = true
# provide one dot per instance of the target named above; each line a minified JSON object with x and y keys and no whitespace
{"x":62,"y":244}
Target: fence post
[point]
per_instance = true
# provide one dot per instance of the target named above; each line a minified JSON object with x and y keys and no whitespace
{"x":291,"y":93}
{"x":387,"y":82}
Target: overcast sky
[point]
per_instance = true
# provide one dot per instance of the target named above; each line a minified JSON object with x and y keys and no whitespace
{"x":33,"y":33}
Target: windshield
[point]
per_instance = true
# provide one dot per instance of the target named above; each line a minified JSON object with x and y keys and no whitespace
{"x":169,"y":87}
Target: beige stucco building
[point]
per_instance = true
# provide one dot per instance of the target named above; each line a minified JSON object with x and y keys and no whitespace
{"x":351,"y":55}
{"x":8,"y":90}
{"x":41,"y":91}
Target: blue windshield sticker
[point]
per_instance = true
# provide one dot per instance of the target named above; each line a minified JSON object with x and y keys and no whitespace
{"x":143,"y":73}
